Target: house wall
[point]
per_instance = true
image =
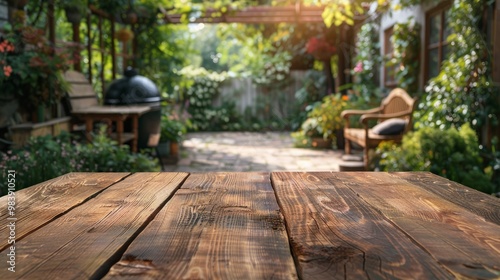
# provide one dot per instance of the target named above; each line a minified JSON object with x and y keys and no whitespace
{"x":3,"y":12}
{"x":418,"y":13}
{"x":389,"y":19}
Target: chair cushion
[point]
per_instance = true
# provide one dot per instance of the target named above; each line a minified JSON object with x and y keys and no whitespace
{"x":390,"y":127}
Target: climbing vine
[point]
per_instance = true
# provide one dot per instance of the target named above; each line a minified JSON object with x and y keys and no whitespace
{"x":463,"y":92}
{"x":406,"y":45}
{"x":367,"y":59}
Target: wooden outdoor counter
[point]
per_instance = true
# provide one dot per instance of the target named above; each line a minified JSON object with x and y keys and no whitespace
{"x":280,"y":225}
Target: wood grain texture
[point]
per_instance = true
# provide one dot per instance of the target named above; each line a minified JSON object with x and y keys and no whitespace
{"x":38,"y":205}
{"x":336,"y":235}
{"x":461,"y":241}
{"x":217,"y":226}
{"x":84,"y":242}
{"x":482,"y":205}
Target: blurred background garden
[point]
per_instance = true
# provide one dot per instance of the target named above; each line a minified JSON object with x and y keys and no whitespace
{"x":258,"y":66}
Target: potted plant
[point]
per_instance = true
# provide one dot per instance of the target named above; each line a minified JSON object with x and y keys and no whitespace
{"x":31,"y":68}
{"x":314,"y":131}
{"x":324,"y":122}
{"x":172,"y":132}
{"x":74,"y":10}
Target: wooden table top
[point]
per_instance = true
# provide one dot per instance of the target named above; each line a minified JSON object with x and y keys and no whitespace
{"x":279,"y":225}
{"x":125,"y":110}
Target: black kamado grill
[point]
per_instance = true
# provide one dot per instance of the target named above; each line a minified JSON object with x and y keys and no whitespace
{"x":137,"y":90}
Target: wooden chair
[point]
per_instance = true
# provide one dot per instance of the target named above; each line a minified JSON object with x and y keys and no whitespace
{"x":395,"y":119}
{"x":80,"y":95}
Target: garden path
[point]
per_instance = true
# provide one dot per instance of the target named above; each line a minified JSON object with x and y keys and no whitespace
{"x":250,"y":151}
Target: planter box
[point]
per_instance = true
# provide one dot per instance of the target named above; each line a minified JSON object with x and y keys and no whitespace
{"x":169,"y":152}
{"x":21,"y":133}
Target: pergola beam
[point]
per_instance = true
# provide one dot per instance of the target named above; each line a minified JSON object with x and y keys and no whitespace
{"x":255,"y":15}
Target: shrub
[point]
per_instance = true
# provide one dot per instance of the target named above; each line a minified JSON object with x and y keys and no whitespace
{"x":47,"y":157}
{"x":450,"y":153}
{"x":323,"y":120}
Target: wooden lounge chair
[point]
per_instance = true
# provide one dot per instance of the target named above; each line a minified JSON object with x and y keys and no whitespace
{"x":394,"y":118}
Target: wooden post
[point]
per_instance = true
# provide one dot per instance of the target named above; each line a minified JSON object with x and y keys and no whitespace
{"x":496,"y":53}
{"x":342,"y":57}
{"x":101,"y":48}
{"x":76,"y":39}
{"x":51,"y":22}
{"x":135,"y":54}
{"x":89,"y":44}
{"x":496,"y":44}
{"x":113,"y":50}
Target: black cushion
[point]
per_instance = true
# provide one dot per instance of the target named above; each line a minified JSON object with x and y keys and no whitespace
{"x":390,"y":127}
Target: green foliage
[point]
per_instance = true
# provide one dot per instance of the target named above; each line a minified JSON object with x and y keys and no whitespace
{"x":463,"y":92}
{"x":367,"y":58}
{"x":164,"y":49}
{"x":267,"y":59}
{"x":312,"y":91}
{"x":450,"y":153}
{"x":406,"y":44}
{"x":31,"y":69}
{"x":493,"y":158}
{"x":199,"y":89}
{"x":327,"y":113}
{"x":48,"y":157}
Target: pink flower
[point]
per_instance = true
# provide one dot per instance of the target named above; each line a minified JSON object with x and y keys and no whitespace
{"x":7,"y":70}
{"x":359,"y":67}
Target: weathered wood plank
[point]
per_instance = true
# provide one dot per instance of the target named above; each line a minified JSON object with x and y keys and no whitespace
{"x":217,"y":226}
{"x":482,"y":205}
{"x":40,"y":204}
{"x":84,"y":242}
{"x":336,"y":235}
{"x":463,"y":242}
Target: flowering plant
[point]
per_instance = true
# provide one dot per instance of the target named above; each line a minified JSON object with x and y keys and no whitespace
{"x":31,"y":67}
{"x":320,"y":48}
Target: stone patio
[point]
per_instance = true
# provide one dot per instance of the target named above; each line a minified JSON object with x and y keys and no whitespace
{"x":250,"y":151}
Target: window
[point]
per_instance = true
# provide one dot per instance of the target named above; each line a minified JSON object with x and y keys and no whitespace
{"x":436,"y":47}
{"x":389,"y":70}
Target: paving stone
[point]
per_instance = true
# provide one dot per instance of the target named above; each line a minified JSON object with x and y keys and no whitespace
{"x":251,"y":151}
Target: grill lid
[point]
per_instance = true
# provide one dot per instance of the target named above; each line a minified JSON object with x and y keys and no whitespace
{"x":132,"y":89}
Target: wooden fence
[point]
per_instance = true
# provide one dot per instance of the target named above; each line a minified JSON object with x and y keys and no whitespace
{"x":254,"y":100}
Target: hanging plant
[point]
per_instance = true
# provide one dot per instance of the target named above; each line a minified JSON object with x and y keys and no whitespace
{"x":124,"y":35}
{"x":320,"y":49}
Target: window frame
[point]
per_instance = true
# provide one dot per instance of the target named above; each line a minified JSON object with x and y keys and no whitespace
{"x":440,"y":9}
